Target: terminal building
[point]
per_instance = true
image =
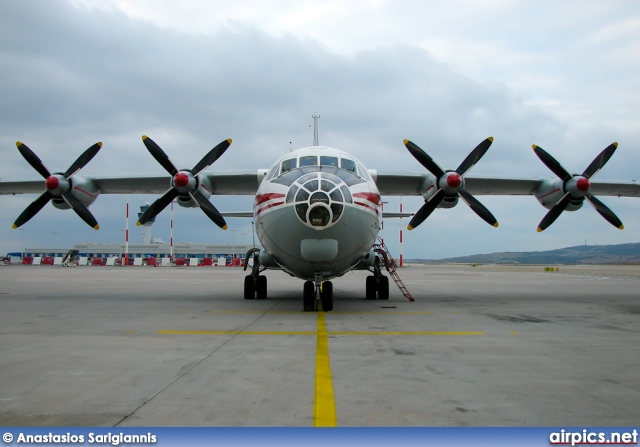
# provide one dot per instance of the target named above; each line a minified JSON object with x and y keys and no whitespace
{"x":150,"y":252}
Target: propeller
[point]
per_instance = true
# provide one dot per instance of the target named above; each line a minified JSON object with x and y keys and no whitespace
{"x":57,"y":185}
{"x":184,"y":182}
{"x":450,"y":183}
{"x":576,"y":187}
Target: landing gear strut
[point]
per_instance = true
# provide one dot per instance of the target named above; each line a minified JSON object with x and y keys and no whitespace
{"x":377,"y":286}
{"x":315,"y":292}
{"x":255,"y":284}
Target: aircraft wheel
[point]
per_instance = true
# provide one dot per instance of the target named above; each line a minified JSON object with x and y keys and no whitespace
{"x":261,"y":287}
{"x":371,"y":288}
{"x":309,"y":296}
{"x":383,"y":288}
{"x":249,"y":288}
{"x":327,"y":296}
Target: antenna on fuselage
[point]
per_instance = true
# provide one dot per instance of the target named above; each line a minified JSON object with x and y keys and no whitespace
{"x":315,"y":117}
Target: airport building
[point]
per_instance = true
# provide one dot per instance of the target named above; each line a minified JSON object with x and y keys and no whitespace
{"x":150,"y":252}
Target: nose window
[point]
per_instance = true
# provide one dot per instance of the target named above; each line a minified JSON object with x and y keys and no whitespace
{"x":319,"y":199}
{"x":319,"y":216}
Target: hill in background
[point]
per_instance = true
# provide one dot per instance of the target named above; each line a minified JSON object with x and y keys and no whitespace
{"x":580,"y":254}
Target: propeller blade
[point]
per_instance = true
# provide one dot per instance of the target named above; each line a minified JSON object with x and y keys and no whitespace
{"x":600,"y":161}
{"x":32,"y":209}
{"x":83,"y":160}
{"x":157,"y":206}
{"x":33,"y":160}
{"x":208,"y":208}
{"x":159,"y":155}
{"x":424,"y":159}
{"x":554,"y":212}
{"x":474,"y":156}
{"x":605,"y":211}
{"x":211,"y":157}
{"x":426,"y":209}
{"x":478,"y":208}
{"x":80,"y":209}
{"x":552,"y":163}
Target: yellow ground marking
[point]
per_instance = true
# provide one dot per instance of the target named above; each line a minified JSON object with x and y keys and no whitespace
{"x":179,"y":332}
{"x":326,"y":333}
{"x":324,"y":407}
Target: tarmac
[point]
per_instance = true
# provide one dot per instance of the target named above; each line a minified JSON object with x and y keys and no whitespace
{"x":163,"y":346}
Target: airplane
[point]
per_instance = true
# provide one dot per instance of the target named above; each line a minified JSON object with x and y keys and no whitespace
{"x":317,"y":210}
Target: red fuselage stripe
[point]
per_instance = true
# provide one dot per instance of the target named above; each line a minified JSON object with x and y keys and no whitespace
{"x":369,"y":196}
{"x":271,"y":205}
{"x":266,"y":197}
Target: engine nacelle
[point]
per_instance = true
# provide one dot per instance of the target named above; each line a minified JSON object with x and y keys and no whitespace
{"x":430,"y":187}
{"x":551,"y":191}
{"x":188,"y":202}
{"x":84,"y":189}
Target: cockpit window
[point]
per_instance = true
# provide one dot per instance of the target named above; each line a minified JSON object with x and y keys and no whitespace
{"x":347,"y":164}
{"x":288,"y":165}
{"x":310,"y":160}
{"x":329,"y":161}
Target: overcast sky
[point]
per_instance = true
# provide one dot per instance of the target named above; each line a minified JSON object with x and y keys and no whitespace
{"x":445,"y":74}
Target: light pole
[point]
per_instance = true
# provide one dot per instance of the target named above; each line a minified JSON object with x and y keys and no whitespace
{"x":233,"y":255}
{"x":22,"y":231}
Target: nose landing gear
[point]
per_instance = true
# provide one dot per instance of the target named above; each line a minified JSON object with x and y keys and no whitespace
{"x":317,"y":292}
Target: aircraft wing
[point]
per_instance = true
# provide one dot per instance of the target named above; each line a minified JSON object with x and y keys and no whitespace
{"x":229,"y":183}
{"x":415,"y":184}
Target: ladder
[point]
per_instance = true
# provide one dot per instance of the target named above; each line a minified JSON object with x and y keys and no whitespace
{"x":390,"y":265}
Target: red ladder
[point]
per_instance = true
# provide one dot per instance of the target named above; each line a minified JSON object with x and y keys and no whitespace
{"x":390,"y":265}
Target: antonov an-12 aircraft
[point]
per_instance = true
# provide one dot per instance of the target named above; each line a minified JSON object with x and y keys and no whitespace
{"x":318,"y":210}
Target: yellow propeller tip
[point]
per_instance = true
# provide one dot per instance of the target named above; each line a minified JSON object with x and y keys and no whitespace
{"x":539,"y":230}
{"x":405,"y":141}
{"x":14,"y":226}
{"x":615,"y":143}
{"x":229,"y":140}
{"x":144,"y":137}
{"x":225,"y":227}
{"x":490,"y":139}
{"x":534,"y":147}
{"x":18,"y":143}
{"x":97,"y":227}
{"x":100,"y":143}
{"x":621,"y":227}
{"x":138,"y":223}
{"x":409,"y":227}
{"x":496,"y":224}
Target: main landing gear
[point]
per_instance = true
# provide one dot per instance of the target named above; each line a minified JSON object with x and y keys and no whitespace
{"x":255,"y":284}
{"x":377,"y":286}
{"x":315,"y":292}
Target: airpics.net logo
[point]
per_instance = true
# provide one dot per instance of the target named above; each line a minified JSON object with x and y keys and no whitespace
{"x":587,"y":437}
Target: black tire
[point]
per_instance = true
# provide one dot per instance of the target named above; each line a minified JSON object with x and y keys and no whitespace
{"x":327,"y":296}
{"x":370,"y":290}
{"x":383,"y":288}
{"x":309,"y":296}
{"x":261,"y":287}
{"x":249,"y":288}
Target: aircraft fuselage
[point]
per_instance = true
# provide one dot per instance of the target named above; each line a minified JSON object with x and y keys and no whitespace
{"x":317,"y":212}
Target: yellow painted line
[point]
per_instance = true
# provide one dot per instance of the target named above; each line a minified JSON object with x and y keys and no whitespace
{"x":324,"y":407}
{"x":405,"y":333}
{"x":325,"y":333}
{"x":181,"y":332}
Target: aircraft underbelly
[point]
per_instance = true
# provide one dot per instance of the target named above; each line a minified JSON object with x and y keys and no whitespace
{"x":303,"y":251}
